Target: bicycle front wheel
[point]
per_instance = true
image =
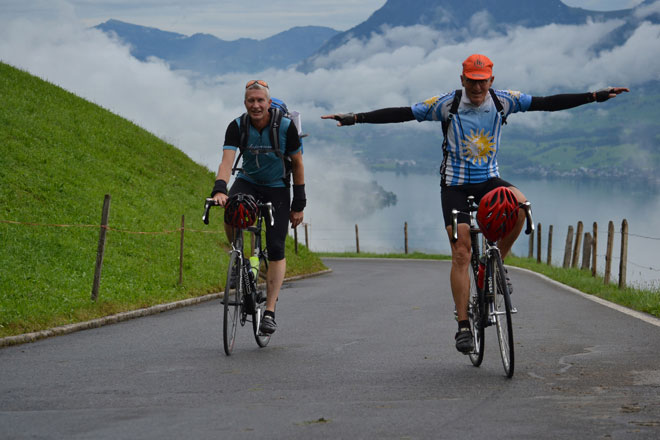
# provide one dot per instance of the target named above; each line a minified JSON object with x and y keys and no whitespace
{"x":502,"y":310}
{"x":261,"y":338}
{"x":232,"y":302}
{"x":476,"y":315}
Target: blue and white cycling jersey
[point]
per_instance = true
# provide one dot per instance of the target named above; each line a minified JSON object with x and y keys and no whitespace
{"x":473,"y":137}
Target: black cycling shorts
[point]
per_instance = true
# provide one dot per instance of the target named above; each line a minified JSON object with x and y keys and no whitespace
{"x":281,"y":200}
{"x":455,"y":197}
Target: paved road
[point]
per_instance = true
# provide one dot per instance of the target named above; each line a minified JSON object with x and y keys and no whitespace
{"x":363,"y":352}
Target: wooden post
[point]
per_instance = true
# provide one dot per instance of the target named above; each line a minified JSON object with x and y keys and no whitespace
{"x":531,"y":246}
{"x":594,"y":250}
{"x":306,"y":237}
{"x":550,"y":246}
{"x":586,"y":251}
{"x":405,"y":236}
{"x":567,"y":249}
{"x":183,"y":222}
{"x":623,"y":263}
{"x":357,"y":239}
{"x":101,"y":248}
{"x":578,"y":244}
{"x":538,"y":243}
{"x":608,"y":252}
{"x":295,"y":240}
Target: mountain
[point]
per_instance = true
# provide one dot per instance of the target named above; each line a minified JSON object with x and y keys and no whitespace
{"x":469,"y":19}
{"x":209,"y":55}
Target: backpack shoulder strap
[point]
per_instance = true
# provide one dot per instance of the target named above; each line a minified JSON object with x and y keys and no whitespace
{"x":242,"y":140}
{"x":498,"y":105}
{"x":452,"y":111}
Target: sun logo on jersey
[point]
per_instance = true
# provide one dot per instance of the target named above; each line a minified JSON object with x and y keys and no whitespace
{"x":478,"y":147}
{"x":431,"y":101}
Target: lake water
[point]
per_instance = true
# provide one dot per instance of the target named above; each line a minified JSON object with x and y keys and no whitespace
{"x":554,"y":202}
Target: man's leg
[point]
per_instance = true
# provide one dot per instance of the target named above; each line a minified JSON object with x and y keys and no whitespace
{"x":459,"y":275}
{"x":274,"y":279}
{"x":460,"y":285}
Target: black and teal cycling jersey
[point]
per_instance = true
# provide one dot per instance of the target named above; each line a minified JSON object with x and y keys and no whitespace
{"x":261,"y":166}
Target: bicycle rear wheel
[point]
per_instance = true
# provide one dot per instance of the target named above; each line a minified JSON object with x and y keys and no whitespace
{"x":502,"y":310}
{"x":232,"y":302}
{"x":476,"y":314}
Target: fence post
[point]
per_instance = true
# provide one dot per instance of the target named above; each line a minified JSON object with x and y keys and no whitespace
{"x":538,"y":243}
{"x":586,"y":251}
{"x":183,"y":222}
{"x":594,"y":250}
{"x":550,"y":246}
{"x":608,"y":252}
{"x":306,"y":237}
{"x":101,"y":248}
{"x":405,"y":236}
{"x":569,"y":246}
{"x":295,"y":240}
{"x":578,"y":243}
{"x":357,"y":239}
{"x":624,"y":254}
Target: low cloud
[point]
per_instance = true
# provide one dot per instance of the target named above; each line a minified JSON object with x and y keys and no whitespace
{"x":397,"y":68}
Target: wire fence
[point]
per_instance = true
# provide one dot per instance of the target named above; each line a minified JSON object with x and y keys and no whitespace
{"x":411,"y":237}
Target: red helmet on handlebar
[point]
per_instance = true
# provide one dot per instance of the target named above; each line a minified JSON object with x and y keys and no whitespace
{"x":241,"y":211}
{"x":498,"y":213}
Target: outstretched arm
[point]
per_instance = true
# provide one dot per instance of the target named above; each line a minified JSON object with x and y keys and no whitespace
{"x":565,"y":101}
{"x":381,"y":116}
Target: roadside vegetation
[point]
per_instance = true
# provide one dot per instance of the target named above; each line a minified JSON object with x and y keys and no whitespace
{"x":60,"y":156}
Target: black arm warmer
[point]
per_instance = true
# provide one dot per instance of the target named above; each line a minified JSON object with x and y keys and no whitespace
{"x":299,"y":199}
{"x":559,"y":102}
{"x":220,"y":186}
{"x":386,"y":115}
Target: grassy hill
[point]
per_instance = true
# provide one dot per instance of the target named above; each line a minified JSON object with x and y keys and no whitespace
{"x":59,"y":156}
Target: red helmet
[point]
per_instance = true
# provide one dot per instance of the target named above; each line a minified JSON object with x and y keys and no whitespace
{"x":240,"y":211}
{"x":498,"y":213}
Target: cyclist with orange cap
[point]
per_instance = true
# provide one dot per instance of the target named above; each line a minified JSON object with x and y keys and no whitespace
{"x":472,"y":118}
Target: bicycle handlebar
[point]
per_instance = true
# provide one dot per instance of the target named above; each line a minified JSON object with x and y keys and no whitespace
{"x":211,"y":202}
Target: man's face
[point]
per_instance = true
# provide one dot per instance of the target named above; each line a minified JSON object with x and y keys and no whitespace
{"x":476,"y":90}
{"x":257,"y":104}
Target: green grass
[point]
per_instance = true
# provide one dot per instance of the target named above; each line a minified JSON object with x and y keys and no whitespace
{"x":643,"y":300}
{"x":59,"y":156}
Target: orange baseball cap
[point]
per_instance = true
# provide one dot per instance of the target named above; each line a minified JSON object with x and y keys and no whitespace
{"x":478,"y":67}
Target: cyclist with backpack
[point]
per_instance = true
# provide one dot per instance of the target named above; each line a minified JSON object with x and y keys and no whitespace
{"x":269,"y":144}
{"x":472,"y":118}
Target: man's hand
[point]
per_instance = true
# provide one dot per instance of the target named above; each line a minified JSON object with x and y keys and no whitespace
{"x":220,"y":199}
{"x":296,"y":218}
{"x":343,"y":118}
{"x":608,"y":92}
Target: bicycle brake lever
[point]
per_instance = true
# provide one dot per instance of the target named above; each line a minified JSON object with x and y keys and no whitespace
{"x":528,"y":214}
{"x":207,"y":206}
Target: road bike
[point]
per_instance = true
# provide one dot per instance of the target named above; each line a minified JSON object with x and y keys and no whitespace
{"x":244,"y":300}
{"x":490,"y":298}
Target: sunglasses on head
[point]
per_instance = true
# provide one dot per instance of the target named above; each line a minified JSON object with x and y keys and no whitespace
{"x":256,"y":81}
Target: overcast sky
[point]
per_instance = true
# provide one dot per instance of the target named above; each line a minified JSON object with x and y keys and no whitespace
{"x":226,"y":19}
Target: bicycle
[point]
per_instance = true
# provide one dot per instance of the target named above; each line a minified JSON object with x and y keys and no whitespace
{"x":242,"y":298}
{"x":490,"y":299}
